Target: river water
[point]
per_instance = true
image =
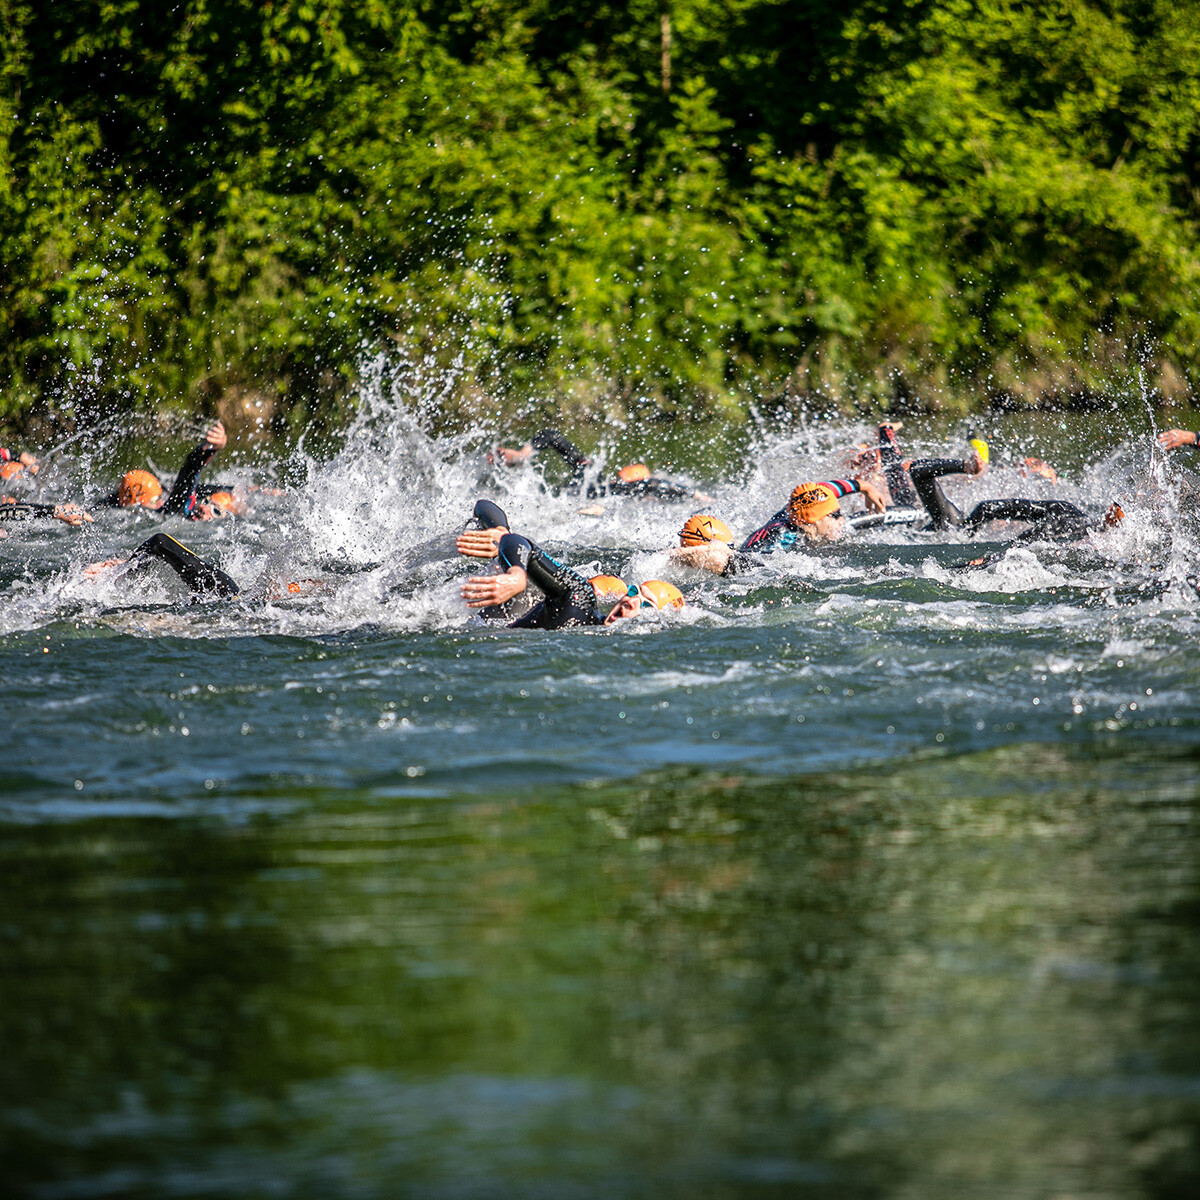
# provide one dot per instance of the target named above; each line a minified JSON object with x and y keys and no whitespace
{"x":862,"y":876}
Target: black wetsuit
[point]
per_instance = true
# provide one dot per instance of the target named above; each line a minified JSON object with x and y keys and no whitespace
{"x":202,"y":579}
{"x":569,"y":600}
{"x":899,"y":484}
{"x":659,"y":489}
{"x":1052,"y":520}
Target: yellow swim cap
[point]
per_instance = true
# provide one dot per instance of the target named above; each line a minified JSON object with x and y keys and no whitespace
{"x":810,"y":502}
{"x":633,"y":473}
{"x":702,"y":528}
{"x":661,"y":594}
{"x":138,"y":487}
{"x":981,"y":448}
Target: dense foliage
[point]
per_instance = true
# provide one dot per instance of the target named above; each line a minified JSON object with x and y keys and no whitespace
{"x":684,"y":203}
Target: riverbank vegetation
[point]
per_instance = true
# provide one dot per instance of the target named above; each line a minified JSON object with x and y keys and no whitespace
{"x":668,"y":205}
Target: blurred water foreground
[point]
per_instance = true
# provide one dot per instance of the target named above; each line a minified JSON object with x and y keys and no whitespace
{"x":862,"y":876}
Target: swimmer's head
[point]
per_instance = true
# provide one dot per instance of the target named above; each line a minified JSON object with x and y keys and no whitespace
{"x":661,"y":594}
{"x":10,"y":470}
{"x":654,"y":593}
{"x":810,"y":502}
{"x":702,"y":528}
{"x":815,"y":510}
{"x":609,"y":590}
{"x":633,"y":473}
{"x":1114,"y":516}
{"x":227,"y":502}
{"x":139,"y":488}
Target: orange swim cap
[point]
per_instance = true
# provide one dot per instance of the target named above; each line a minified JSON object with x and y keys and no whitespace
{"x":609,"y":589}
{"x":10,"y":469}
{"x":810,"y":502}
{"x":226,"y":502}
{"x":702,"y":528}
{"x":138,"y":487}
{"x":661,"y":594}
{"x":633,"y":473}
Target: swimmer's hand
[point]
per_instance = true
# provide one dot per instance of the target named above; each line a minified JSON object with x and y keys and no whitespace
{"x":873,"y":496}
{"x":1035,"y":466}
{"x":215,"y":435}
{"x":704,"y":498}
{"x":973,"y":465}
{"x":480,"y":543}
{"x":481,"y":590}
{"x":593,"y":510}
{"x":28,"y":461}
{"x":1169,"y":439}
{"x":509,"y":456}
{"x":96,"y":569}
{"x":72,"y":514}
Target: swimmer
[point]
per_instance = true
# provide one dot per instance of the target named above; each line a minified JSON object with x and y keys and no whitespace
{"x":202,"y":578}
{"x":142,"y":489}
{"x":1050,"y":520}
{"x":632,"y":480}
{"x":813,"y":516}
{"x":706,"y":543}
{"x":570,"y":598}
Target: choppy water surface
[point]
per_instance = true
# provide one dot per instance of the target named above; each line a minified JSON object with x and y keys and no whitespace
{"x":865,"y":876}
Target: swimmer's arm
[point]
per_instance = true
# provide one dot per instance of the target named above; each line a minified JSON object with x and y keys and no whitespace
{"x":872,"y":495}
{"x":480,"y":591}
{"x":96,"y":569}
{"x":1172,"y":439}
{"x":479,"y":543}
{"x":551,"y":439}
{"x":510,"y":456}
{"x":712,"y":556}
{"x":183,"y":492}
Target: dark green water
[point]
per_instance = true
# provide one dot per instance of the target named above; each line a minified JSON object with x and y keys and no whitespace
{"x":866,"y":877}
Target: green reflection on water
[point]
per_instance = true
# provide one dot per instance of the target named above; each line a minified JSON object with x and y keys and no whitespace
{"x":971,"y":976}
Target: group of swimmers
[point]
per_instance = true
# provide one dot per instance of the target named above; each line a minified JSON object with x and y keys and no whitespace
{"x":895,"y":491}
{"x":187,"y":497}
{"x":812,"y":516}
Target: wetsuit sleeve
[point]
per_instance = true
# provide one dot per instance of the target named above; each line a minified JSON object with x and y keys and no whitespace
{"x":201,"y":577}
{"x":1056,"y":520}
{"x":899,"y":485}
{"x":769,"y":536}
{"x":551,"y":577}
{"x":569,"y":597}
{"x":925,"y":473}
{"x":25,"y":512}
{"x":739,"y":562}
{"x":551,"y":439}
{"x":183,"y":497}
{"x":662,"y":489}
